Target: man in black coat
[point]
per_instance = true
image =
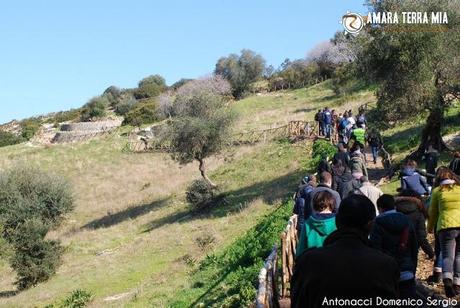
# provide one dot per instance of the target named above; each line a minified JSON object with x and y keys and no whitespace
{"x":346,"y":267}
{"x":394,"y":234}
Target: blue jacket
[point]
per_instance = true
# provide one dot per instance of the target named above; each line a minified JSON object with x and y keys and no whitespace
{"x":327,"y":117}
{"x":394,"y":234}
{"x":410,"y":179}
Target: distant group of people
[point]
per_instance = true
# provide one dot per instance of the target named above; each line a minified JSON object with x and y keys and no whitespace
{"x":357,"y":242}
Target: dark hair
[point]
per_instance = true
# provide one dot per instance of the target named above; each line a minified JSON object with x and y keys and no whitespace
{"x":355,"y":211}
{"x":411,"y":163}
{"x":323,"y":200}
{"x":325,"y":177}
{"x":457,"y":154}
{"x":386,"y":202}
{"x":410,"y":193}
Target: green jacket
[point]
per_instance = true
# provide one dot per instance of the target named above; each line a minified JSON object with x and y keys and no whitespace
{"x":357,"y":165}
{"x":444,"y":211}
{"x":315,"y":232}
{"x":359,"y":135}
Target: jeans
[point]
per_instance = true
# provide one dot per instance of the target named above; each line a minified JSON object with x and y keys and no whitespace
{"x":449,"y":240}
{"x":328,"y":130}
{"x":375,"y":152}
{"x":437,"y":254}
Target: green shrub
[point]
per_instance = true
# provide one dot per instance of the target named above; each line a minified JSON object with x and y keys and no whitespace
{"x":123,"y":107}
{"x":77,"y":299}
{"x":95,"y":108}
{"x":35,"y":259}
{"x":199,"y":194}
{"x":29,"y":128}
{"x":32,"y":202}
{"x":144,"y":112}
{"x":7,"y":138}
{"x":66,"y":116}
{"x":229,"y":278}
{"x":323,"y":148}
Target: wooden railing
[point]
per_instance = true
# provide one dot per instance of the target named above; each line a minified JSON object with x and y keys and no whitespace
{"x":270,"y":292}
{"x":293,"y":129}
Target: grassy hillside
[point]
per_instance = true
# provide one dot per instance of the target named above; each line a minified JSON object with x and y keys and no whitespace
{"x":132,"y":240}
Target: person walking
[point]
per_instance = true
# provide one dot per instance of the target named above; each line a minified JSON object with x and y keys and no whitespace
{"x":431,"y":158}
{"x":412,"y":180}
{"x":444,"y":213}
{"x":357,"y":165}
{"x":346,"y":267}
{"x":327,"y":122}
{"x":318,"y":119}
{"x":394,"y":234}
{"x":320,"y":224}
{"x":307,"y":184}
{"x":369,"y":190}
{"x":410,"y":204}
{"x":344,"y":182}
{"x":374,"y":139}
{"x":325,"y":184}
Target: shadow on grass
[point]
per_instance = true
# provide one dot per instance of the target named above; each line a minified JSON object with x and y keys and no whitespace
{"x":304,"y":110}
{"x":129,"y":213}
{"x":6,"y":294}
{"x":234,"y":201}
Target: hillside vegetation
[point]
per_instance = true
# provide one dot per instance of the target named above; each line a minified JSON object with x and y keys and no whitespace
{"x":127,"y":203}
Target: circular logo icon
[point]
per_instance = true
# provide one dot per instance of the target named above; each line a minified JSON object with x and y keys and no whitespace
{"x":352,"y":22}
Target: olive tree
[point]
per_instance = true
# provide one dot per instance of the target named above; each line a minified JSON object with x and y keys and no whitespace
{"x":241,"y":70}
{"x":203,"y":121}
{"x":418,"y":69}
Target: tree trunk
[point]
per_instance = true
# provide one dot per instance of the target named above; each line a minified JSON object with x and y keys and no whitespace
{"x":203,"y":173}
{"x":431,"y":133}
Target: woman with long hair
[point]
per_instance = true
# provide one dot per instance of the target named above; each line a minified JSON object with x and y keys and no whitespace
{"x":444,"y":213}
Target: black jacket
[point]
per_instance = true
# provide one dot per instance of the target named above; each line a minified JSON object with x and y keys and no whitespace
{"x":345,"y":184}
{"x":412,"y":208}
{"x":394,"y":234}
{"x":455,"y":166}
{"x":346,"y":267}
{"x":342,"y":156}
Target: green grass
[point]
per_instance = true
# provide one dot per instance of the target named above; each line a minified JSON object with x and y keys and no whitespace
{"x":133,"y":237}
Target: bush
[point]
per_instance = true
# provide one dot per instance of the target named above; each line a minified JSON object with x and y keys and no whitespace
{"x":199,"y":194}
{"x":32,"y":202}
{"x":29,"y":128}
{"x":77,"y":299}
{"x":66,"y":116}
{"x":95,"y":108}
{"x":7,"y":138}
{"x":123,"y":107}
{"x":35,"y":259}
{"x":144,"y":112}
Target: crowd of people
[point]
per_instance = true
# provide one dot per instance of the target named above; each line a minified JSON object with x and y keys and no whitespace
{"x":357,"y":242}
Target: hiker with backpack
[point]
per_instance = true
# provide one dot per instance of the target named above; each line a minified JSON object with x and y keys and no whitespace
{"x":302,"y":195}
{"x":318,"y":119}
{"x":343,"y":182}
{"x":444,"y":213}
{"x":394,"y":234}
{"x":357,"y":163}
{"x":320,"y":224}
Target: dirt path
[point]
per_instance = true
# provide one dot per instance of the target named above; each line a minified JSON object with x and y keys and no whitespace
{"x":376,"y":171}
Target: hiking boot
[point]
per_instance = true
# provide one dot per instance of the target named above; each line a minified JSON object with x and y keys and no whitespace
{"x":435,"y":278}
{"x":375,"y":162}
{"x":449,"y":288}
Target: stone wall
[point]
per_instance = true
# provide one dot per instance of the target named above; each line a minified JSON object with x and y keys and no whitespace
{"x":90,"y":127}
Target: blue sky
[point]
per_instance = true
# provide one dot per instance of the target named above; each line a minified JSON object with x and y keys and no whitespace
{"x":56,"y":55}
